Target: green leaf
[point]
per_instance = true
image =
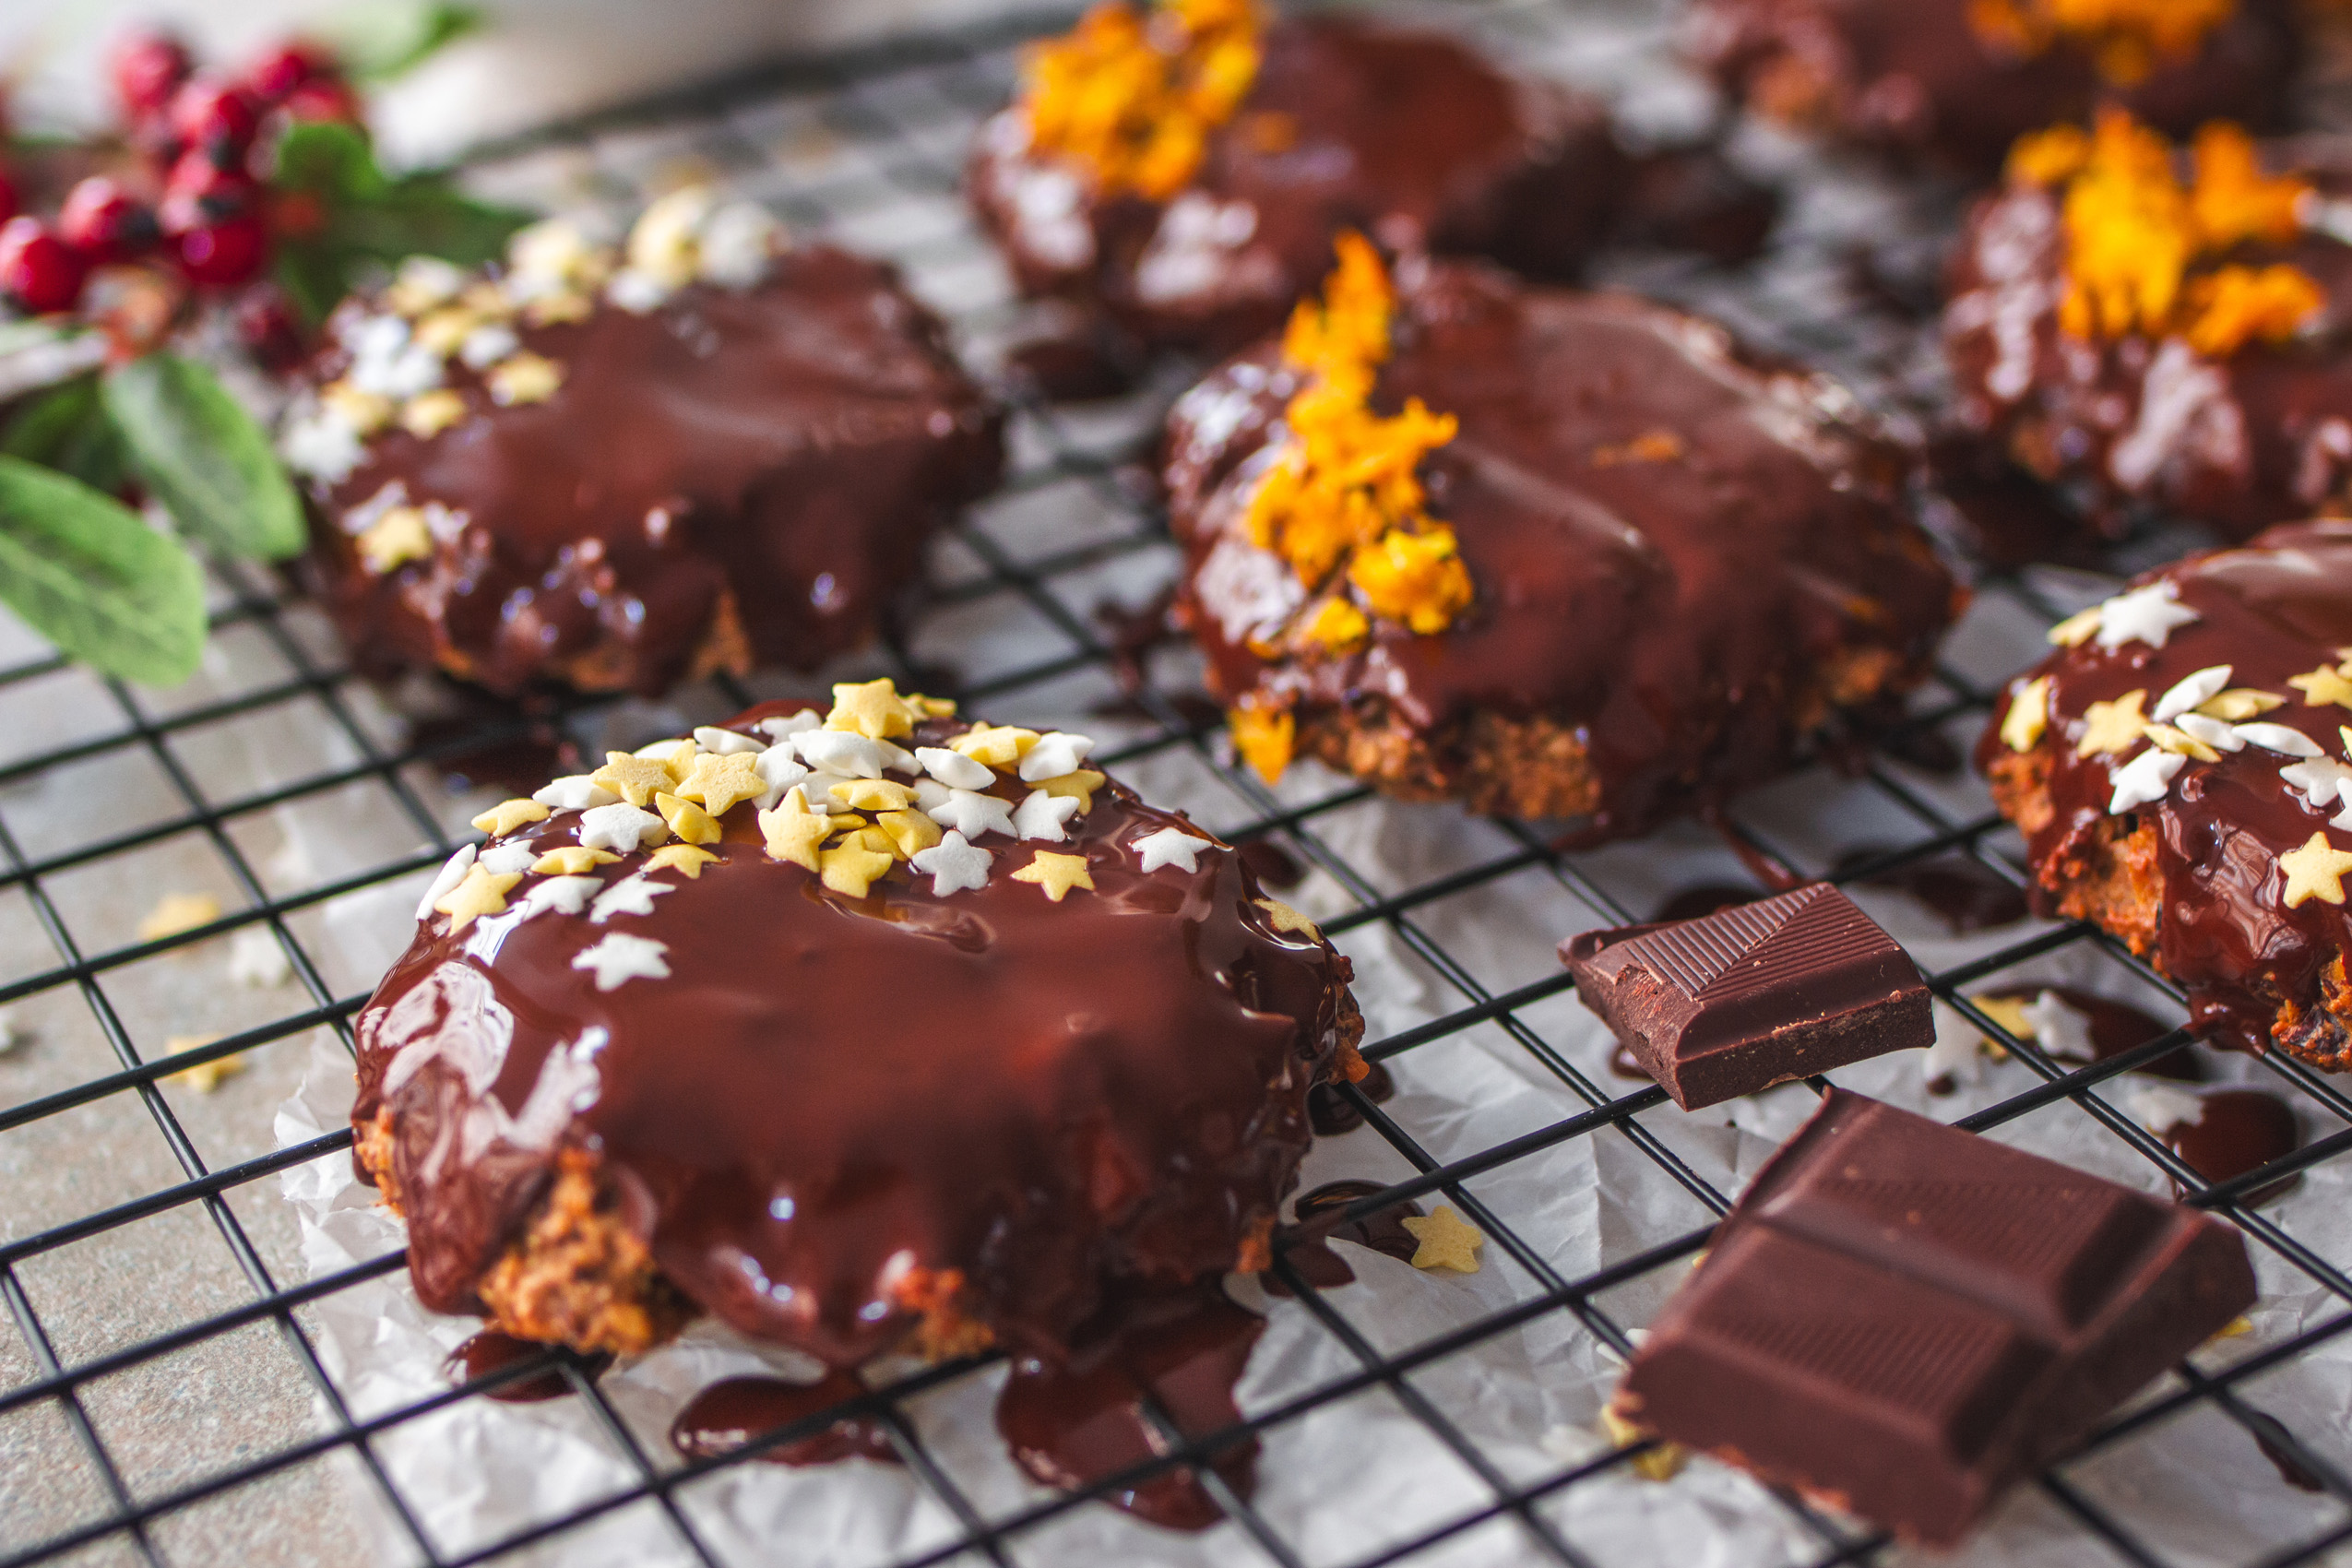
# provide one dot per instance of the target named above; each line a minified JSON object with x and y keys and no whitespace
{"x":377,"y":40}
{"x":67,"y":429}
{"x":203,"y":457}
{"x":328,"y":159}
{"x":87,"y":574}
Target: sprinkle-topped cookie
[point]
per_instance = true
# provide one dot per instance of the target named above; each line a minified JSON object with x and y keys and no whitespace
{"x":2180,"y":769}
{"x":789,"y":1075}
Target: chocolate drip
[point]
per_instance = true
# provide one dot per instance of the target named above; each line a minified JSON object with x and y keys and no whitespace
{"x":1273,"y":865}
{"x":1150,"y":1363}
{"x":735,"y":477}
{"x":1683,"y":617}
{"x":2114,"y":1027}
{"x":2238,"y":1130}
{"x":1316,"y":1228}
{"x":488,"y":1353}
{"x":1962,"y":891}
{"x":2276,"y":609}
{"x":1703,"y":899}
{"x":736,"y":1411}
{"x":1333,"y":1112}
{"x":2270,"y":1436}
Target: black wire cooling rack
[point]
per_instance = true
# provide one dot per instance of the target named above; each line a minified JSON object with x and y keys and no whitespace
{"x":869,"y":148}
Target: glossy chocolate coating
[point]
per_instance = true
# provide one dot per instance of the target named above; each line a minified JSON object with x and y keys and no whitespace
{"x":734,"y":477}
{"x":1682,"y":615}
{"x":1406,"y":135}
{"x":2281,"y":606}
{"x":1740,"y":1000}
{"x":1912,"y":76}
{"x":2261,"y":438}
{"x":828,"y":1093}
{"x":1903,"y":1318}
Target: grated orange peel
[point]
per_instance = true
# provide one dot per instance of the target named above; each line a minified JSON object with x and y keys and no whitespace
{"x":2127,"y":40}
{"x":1132,"y":98}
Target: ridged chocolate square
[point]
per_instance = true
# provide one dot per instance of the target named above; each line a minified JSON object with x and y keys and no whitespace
{"x":1754,"y":995}
{"x":1901,"y":1318}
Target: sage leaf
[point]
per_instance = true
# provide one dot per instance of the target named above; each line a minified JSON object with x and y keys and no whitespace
{"x":88,"y":574}
{"x":67,"y":429}
{"x":204,"y":458}
{"x":374,"y":40}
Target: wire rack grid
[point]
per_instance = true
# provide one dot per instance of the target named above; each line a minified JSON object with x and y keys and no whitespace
{"x":165,"y":1399}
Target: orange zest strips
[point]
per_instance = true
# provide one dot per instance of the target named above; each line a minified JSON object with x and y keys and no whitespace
{"x":1132,"y":98}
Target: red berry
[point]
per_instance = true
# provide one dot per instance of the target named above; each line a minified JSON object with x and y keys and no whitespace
{"x":229,"y":250}
{"x":100,"y":220}
{"x":214,"y":115}
{"x":148,"y":67}
{"x":197,"y":179}
{"x":286,"y":67}
{"x":272,"y":333}
{"x":324,"y":98}
{"x":38,"y":272}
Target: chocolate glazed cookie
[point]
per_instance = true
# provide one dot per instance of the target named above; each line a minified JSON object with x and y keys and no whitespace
{"x":991,"y":1053}
{"x":2178,"y":767}
{"x":1629,"y":568}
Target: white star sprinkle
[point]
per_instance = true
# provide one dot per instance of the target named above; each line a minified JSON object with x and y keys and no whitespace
{"x":898,"y":759}
{"x":954,"y":768}
{"x":453,"y":871}
{"x":620,"y":958}
{"x":2322,"y":781}
{"x":1054,"y":755}
{"x":953,"y":863}
{"x":2212,"y":732}
{"x":972,"y":813}
{"x":565,"y":895}
{"x":630,"y":895}
{"x":779,"y":769}
{"x":2284,"y":739}
{"x":2149,"y":615}
{"x":2160,"y":1108}
{"x":2191,"y":691}
{"x":2058,"y":1029}
{"x":1041,"y":816}
{"x":504,"y":857}
{"x":784,"y":728}
{"x":256,"y":959}
{"x":931,"y":794}
{"x":840,"y":753}
{"x":2144,"y":779}
{"x":621,"y":827}
{"x":1171,"y":846}
{"x":722,"y":742}
{"x":574,"y":792}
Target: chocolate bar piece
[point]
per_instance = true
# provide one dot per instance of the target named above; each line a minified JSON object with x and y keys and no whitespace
{"x":1900,"y":1318}
{"x":1752,"y":995}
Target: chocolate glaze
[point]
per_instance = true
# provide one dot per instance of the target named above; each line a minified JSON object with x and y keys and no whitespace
{"x":1318,"y":1226}
{"x":2240,"y":1130}
{"x":1075,"y":1420}
{"x":1406,"y":135}
{"x":2280,"y":607}
{"x":735,"y":1411}
{"x":828,"y":1094}
{"x":735,"y":477}
{"x":488,"y":1353}
{"x":1683,"y":616}
{"x":1962,"y":891}
{"x":1915,"y":78}
{"x":1331,"y":1112}
{"x":2114,"y":1027}
{"x":2261,"y":437}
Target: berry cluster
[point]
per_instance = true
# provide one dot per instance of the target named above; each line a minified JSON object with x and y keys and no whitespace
{"x":191,"y":196}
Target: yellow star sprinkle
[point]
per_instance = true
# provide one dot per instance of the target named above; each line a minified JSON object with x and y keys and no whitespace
{"x":1283,"y":918}
{"x":2028,"y":717}
{"x":365,"y":413}
{"x":1660,"y":1464}
{"x":872,"y":794}
{"x":2167,"y":739}
{"x":572,"y":860}
{"x":1081,"y":784}
{"x":2322,"y":686}
{"x":444,"y":331}
{"x":2315,"y":870}
{"x":523,"y":379}
{"x":427,"y":414}
{"x":2009,"y":1012}
{"x":687,"y":820}
{"x":2076,"y":629}
{"x":508,"y":815}
{"x":2239,"y":704}
{"x":634,"y":778}
{"x":204,"y":1077}
{"x":846,"y":823}
{"x":872,"y":708}
{"x":683,"y":858}
{"x":874,"y":840}
{"x":394,"y":540}
{"x":720,"y":782}
{"x":911,"y":832}
{"x":2112,"y":726}
{"x":793,"y":831}
{"x":1447,"y":1241}
{"x":1000,"y":746}
{"x":483,"y":893}
{"x":850,"y":869}
{"x":176,"y":912}
{"x":933,"y":707}
{"x":1056,"y":873}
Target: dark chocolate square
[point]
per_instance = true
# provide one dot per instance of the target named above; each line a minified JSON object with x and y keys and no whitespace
{"x":1754,"y":995}
{"x":1902,"y":1319}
